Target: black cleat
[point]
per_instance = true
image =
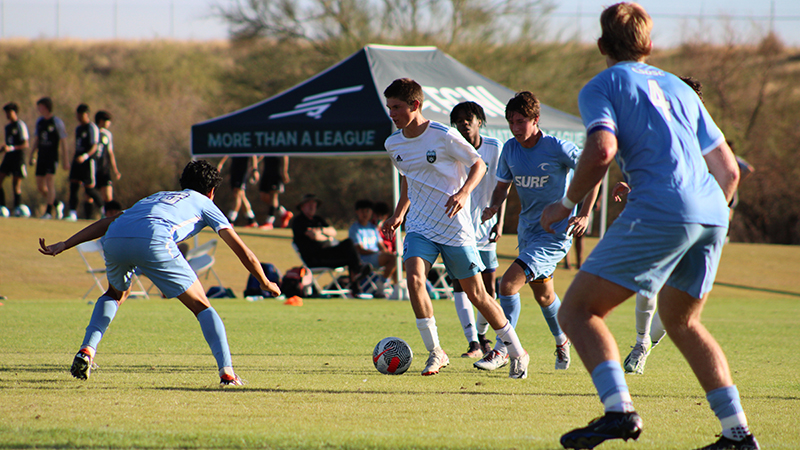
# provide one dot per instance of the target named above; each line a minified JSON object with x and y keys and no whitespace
{"x":748,"y":443}
{"x":613,"y":425}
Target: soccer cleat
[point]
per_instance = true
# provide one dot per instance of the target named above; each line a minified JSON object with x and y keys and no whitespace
{"x":82,"y":365}
{"x":634,"y":362}
{"x":230,"y":380}
{"x":72,"y":217}
{"x":562,"y":356}
{"x":265,"y":226}
{"x":613,"y":425}
{"x":251,"y":223}
{"x":47,"y":216}
{"x":492,"y":360}
{"x":519,"y":367}
{"x":285,"y":218}
{"x":748,"y":443}
{"x":436,"y":361}
{"x":474,"y":351}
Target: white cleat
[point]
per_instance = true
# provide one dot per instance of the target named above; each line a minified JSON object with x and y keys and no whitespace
{"x":492,"y":361}
{"x":436,"y":361}
{"x":519,"y":367}
{"x":562,"y":356}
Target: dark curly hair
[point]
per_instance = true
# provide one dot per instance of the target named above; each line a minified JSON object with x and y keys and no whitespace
{"x":472,"y":109}
{"x":200,"y":176}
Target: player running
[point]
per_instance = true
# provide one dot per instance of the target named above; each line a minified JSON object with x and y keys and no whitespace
{"x":540,"y":167}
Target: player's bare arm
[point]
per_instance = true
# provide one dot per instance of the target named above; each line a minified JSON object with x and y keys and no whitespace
{"x":499,"y":196}
{"x":722,"y":165}
{"x":578,"y":223}
{"x":391,"y":224}
{"x":457,"y":201}
{"x":620,"y":189}
{"x":94,"y":231}
{"x":248,"y":259}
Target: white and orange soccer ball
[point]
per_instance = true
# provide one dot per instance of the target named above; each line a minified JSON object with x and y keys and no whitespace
{"x":392,"y":356}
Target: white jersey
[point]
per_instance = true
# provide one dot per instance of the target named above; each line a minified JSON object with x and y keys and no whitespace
{"x":481,"y":197}
{"x":435,"y":166}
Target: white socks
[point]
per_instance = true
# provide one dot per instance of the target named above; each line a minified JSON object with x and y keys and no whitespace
{"x":428,"y":332}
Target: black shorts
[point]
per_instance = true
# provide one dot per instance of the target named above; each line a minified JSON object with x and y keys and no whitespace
{"x":46,"y":165}
{"x":14,"y":164}
{"x":83,"y":172}
{"x":271,"y":184}
{"x":239,"y":172}
{"x":102,"y":178}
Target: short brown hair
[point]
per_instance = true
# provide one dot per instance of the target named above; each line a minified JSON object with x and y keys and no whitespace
{"x":405,"y":89}
{"x":524,"y":103}
{"x":626,"y":31}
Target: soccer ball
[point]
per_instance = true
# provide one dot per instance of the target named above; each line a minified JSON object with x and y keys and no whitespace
{"x":4,"y":212}
{"x":392,"y":356}
{"x":22,"y":211}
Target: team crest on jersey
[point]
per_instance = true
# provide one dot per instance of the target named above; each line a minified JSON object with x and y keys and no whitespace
{"x":544,"y":166}
{"x":83,"y":135}
{"x":399,"y":158}
{"x":51,"y":128}
{"x":431,"y":156}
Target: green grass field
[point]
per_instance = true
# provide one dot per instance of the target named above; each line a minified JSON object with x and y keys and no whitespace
{"x":311,"y":382}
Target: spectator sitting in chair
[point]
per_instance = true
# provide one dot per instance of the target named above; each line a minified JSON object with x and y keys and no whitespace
{"x":316,"y":241}
{"x":369,"y":243}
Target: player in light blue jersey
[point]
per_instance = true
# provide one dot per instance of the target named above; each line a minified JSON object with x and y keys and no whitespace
{"x":435,"y":195}
{"x":540,"y":167}
{"x":669,"y":237}
{"x":146,"y":237}
{"x":468,"y":118}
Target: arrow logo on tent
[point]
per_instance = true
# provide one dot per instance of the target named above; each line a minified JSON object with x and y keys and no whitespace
{"x":315,"y":105}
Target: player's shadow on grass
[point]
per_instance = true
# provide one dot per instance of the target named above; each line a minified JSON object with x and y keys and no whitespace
{"x":758,"y":289}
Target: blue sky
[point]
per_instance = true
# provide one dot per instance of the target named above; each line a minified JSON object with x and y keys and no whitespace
{"x":746,"y":20}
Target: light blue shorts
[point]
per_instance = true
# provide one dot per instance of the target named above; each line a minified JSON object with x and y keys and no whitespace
{"x":489,"y":260}
{"x":643,"y":257}
{"x":160,"y":261}
{"x":540,"y":253}
{"x":461,"y":262}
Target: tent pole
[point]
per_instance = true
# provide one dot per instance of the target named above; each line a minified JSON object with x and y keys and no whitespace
{"x":400,"y":291}
{"x":603,"y":206}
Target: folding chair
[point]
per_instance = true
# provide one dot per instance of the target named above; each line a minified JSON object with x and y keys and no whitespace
{"x":334,"y":288}
{"x":201,"y":260}
{"x":441,"y":286}
{"x":86,"y":249}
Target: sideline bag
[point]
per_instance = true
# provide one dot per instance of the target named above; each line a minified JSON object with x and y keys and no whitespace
{"x":220,"y":292}
{"x":253,"y":288}
{"x":297,"y":281}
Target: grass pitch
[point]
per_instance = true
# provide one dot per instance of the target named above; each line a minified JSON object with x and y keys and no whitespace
{"x":311,"y":382}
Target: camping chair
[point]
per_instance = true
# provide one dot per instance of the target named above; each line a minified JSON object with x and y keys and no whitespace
{"x":440,"y":285}
{"x":334,"y":288}
{"x":86,"y":249}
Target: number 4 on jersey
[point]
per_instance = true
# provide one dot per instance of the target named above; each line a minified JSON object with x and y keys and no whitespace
{"x":658,"y":99}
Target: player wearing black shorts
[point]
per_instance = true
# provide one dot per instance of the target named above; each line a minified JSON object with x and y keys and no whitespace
{"x":240,"y":172}
{"x":106,"y":164}
{"x":274,"y":176}
{"x":14,"y":159}
{"x":50,"y":136}
{"x":83,"y":163}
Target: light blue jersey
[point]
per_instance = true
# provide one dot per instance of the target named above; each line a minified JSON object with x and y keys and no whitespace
{"x":663,"y":132}
{"x":168,"y":215}
{"x":541,"y":175}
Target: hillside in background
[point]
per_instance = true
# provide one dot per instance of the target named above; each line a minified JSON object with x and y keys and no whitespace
{"x":157,"y":89}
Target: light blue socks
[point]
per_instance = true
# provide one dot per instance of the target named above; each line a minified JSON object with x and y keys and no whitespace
{"x":104,"y":311}
{"x":214,"y":332}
